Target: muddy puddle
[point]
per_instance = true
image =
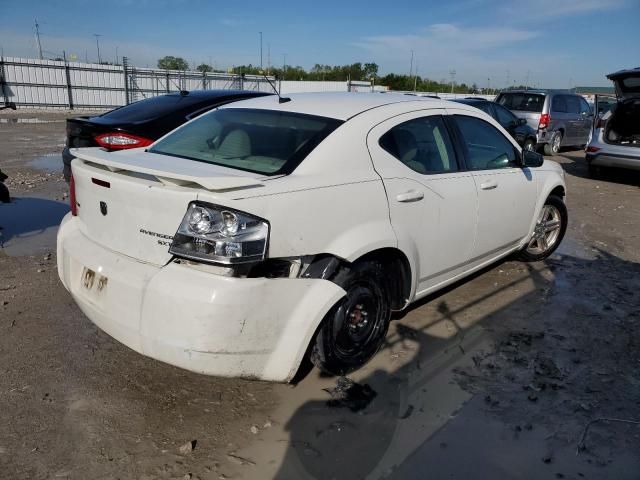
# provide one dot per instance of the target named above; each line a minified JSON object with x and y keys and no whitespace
{"x":28,"y":225}
{"x":51,"y":162}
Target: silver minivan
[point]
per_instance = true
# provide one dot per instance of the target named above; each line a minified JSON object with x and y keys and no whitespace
{"x":560,"y":118}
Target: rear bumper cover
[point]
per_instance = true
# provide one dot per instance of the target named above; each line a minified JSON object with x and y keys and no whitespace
{"x":604,"y":159}
{"x":193,"y":319}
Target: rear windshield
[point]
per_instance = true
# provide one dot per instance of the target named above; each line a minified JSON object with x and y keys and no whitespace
{"x":150,"y":108}
{"x":261,"y":141}
{"x":522,"y":101}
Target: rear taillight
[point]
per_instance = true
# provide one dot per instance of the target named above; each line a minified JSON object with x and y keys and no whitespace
{"x":121,"y":141}
{"x":72,"y":197}
{"x":591,"y":149}
{"x":545,"y":120}
{"x":600,"y":122}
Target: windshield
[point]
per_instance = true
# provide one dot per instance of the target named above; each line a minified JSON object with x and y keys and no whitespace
{"x":261,"y":141}
{"x":522,"y":101}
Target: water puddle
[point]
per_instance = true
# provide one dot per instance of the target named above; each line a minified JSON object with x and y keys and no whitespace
{"x":51,"y":162}
{"x":28,"y":225}
{"x":28,"y":120}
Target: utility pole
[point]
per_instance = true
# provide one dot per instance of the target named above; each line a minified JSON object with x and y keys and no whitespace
{"x":452,"y":74}
{"x":116,"y":55}
{"x":268,"y":58}
{"x":411,"y":65}
{"x":38,"y":38}
{"x":260,"y":50}
{"x":97,"y":35}
{"x":284,"y":65}
{"x":508,"y":77}
{"x":489,"y":85}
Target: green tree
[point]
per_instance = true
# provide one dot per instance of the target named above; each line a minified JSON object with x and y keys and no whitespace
{"x":173,"y":63}
{"x":204,"y":68}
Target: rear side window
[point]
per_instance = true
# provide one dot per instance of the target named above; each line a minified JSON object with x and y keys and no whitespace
{"x":559,"y":104}
{"x":422,"y":144}
{"x":522,"y":101}
{"x":261,"y":141}
{"x":487,"y":148}
{"x":585,"y":108}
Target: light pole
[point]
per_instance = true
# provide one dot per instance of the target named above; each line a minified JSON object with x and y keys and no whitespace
{"x":260,"y":50}
{"x":97,"y":35}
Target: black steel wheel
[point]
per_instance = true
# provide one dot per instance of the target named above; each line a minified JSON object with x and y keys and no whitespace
{"x":354,"y":329}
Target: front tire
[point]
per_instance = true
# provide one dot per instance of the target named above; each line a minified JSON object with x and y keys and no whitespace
{"x":530,"y":145}
{"x":354,"y":329}
{"x":548,"y":232}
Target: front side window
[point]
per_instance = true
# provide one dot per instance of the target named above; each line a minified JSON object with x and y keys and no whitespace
{"x":261,"y":141}
{"x":573,"y":104}
{"x":585,"y":109}
{"x":422,"y":144}
{"x":487,"y":148}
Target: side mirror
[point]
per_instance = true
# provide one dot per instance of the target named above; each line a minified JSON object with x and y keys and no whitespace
{"x":531,"y":159}
{"x":521,"y":121}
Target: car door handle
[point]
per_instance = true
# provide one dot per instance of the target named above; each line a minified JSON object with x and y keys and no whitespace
{"x":490,"y":185}
{"x":410,"y":196}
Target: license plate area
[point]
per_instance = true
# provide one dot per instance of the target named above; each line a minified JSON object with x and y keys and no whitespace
{"x":92,"y":282}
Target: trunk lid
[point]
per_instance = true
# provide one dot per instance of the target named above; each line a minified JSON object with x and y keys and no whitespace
{"x":627,"y":83}
{"x":132,"y":201}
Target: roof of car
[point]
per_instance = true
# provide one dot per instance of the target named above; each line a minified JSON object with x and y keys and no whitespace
{"x":339,"y":105}
{"x":203,"y":94}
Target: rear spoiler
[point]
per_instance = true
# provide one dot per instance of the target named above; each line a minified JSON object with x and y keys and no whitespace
{"x":166,"y":169}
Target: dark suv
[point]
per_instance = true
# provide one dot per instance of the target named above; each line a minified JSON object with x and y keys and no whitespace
{"x":560,"y":118}
{"x":517,"y":127}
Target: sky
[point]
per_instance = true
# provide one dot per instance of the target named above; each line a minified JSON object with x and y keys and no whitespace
{"x":543,"y":43}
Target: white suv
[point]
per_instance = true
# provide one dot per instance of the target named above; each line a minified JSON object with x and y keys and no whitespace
{"x":274,"y":227}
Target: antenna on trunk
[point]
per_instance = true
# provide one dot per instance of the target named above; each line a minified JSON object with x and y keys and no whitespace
{"x":281,"y":99}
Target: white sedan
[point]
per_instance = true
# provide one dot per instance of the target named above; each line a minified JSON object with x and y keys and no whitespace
{"x":273,"y":228}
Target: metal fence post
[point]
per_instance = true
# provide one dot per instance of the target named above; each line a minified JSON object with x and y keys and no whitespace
{"x":3,"y":82}
{"x":67,"y":75}
{"x":125,"y":61}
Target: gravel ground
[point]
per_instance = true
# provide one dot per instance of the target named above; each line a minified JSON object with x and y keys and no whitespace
{"x":498,"y":377}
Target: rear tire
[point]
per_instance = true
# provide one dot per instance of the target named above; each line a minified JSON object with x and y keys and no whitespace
{"x":548,"y":232}
{"x":553,"y":147}
{"x":355,"y":328}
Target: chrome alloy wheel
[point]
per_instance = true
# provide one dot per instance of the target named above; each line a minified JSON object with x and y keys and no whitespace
{"x":555,"y":146}
{"x":546,"y":231}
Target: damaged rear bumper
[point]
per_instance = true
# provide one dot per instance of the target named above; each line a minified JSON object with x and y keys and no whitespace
{"x":193,"y":319}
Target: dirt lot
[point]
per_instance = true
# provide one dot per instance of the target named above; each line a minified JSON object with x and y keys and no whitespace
{"x":523,"y":371}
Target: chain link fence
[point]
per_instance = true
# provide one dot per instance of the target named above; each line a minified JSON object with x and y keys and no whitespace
{"x":71,"y":85}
